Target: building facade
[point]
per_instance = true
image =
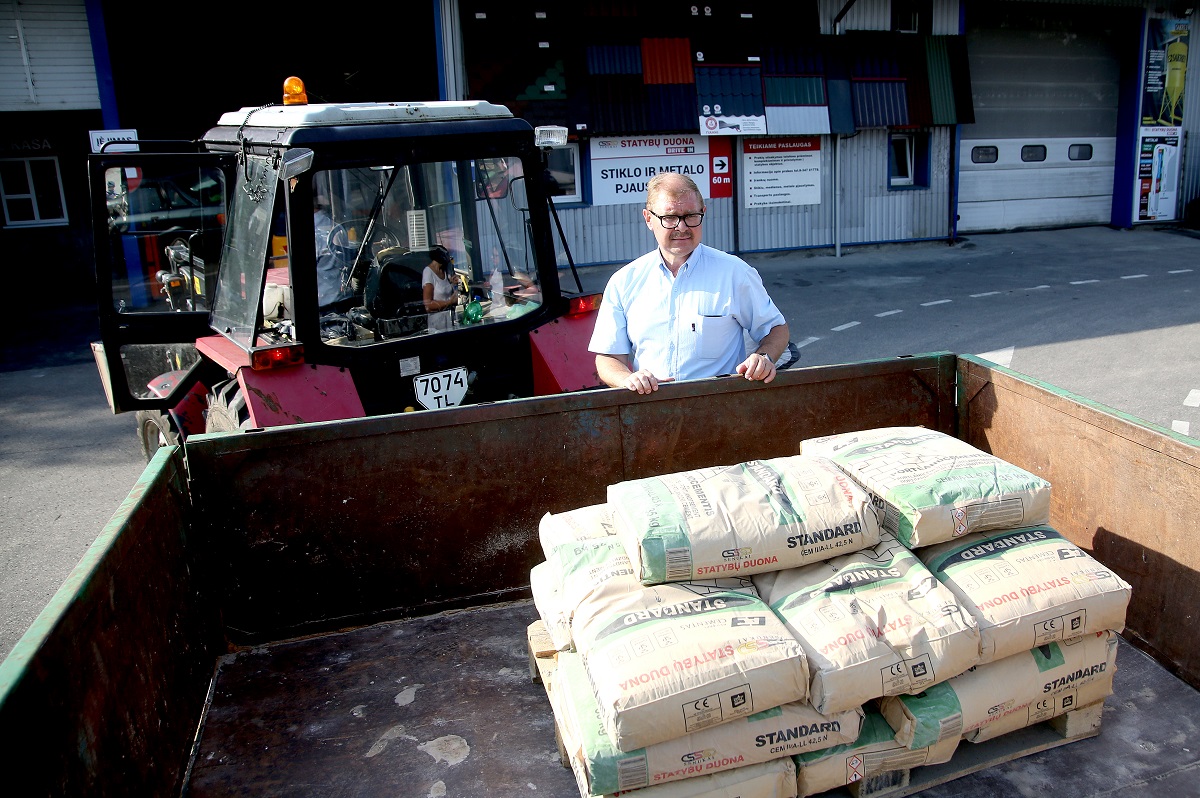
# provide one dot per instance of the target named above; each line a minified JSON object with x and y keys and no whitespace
{"x":832,"y":124}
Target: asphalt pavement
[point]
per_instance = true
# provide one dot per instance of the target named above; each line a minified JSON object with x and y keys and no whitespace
{"x":67,"y":463}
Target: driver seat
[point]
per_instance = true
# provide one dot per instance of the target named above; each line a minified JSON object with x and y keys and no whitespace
{"x":393,"y":293}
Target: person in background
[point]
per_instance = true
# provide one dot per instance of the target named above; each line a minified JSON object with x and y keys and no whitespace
{"x":682,"y":311}
{"x":439,"y":285}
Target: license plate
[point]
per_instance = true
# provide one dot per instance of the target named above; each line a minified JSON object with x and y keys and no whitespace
{"x":441,"y":388}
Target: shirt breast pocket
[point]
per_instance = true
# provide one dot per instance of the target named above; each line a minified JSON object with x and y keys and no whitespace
{"x":715,"y":333}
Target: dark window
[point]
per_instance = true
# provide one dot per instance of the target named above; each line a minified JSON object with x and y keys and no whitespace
{"x":985,"y":154}
{"x":1033,"y":152}
{"x":908,"y":160}
{"x":912,"y":16}
{"x":1080,"y":152}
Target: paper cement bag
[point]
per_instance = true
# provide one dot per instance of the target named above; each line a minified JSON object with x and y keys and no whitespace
{"x":875,"y":751}
{"x":670,"y":660}
{"x":774,"y":779}
{"x":1047,"y":707}
{"x":967,"y":704}
{"x":583,"y":523}
{"x":771,"y":734}
{"x":935,"y":487}
{"x":761,"y":515}
{"x":571,"y":573}
{"x":872,"y":623}
{"x":1028,"y":586}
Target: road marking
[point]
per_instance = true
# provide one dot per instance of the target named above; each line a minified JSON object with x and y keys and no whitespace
{"x":887,"y":313}
{"x":1179,"y":271}
{"x":1193,"y":398}
{"x":807,"y":341}
{"x":1083,"y":282}
{"x":1036,"y":287}
{"x":845,"y":326}
{"x":1132,"y":276}
{"x":936,"y":302}
{"x":1002,"y":356}
{"x":985,"y":293}
{"x":1182,"y":427}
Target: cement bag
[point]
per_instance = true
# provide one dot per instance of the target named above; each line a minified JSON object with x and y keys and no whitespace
{"x":761,"y":515}
{"x":1049,"y":706}
{"x":671,"y":660}
{"x":874,"y":752}
{"x":872,"y":623}
{"x":967,"y":704}
{"x":774,"y":779}
{"x":933,"y":486}
{"x":1027,"y":587}
{"x":583,"y":523}
{"x":771,"y":734}
{"x":571,"y":573}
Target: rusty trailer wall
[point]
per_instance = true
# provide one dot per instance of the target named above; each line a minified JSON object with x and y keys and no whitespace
{"x":1127,"y":493}
{"x":312,"y":527}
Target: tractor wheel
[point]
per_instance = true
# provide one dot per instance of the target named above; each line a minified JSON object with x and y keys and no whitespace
{"x":155,"y":430}
{"x":227,"y":410}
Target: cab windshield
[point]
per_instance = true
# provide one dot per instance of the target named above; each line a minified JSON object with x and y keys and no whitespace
{"x":421,"y":249}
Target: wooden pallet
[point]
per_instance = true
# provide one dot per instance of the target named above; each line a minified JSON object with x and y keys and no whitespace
{"x":1079,"y":724}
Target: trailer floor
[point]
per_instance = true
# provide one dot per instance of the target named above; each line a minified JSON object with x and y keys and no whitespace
{"x":445,"y":706}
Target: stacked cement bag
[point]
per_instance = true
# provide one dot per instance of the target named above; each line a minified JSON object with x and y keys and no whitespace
{"x":753,"y":517}
{"x":770,"y":736}
{"x":875,"y":751}
{"x":1030,"y":586}
{"x":863,"y":601}
{"x":1008,"y":693}
{"x":873,"y":623}
{"x":935,"y":487}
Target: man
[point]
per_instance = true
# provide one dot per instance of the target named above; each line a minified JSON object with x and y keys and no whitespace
{"x":682,"y":311}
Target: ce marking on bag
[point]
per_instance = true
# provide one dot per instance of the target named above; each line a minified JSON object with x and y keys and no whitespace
{"x":753,"y":620}
{"x":441,"y":388}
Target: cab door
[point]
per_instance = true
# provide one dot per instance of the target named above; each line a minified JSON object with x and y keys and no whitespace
{"x":158,"y":224}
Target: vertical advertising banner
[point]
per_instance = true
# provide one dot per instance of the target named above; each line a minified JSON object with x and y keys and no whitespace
{"x":1166,"y":67}
{"x":1158,"y":173}
{"x":1160,"y":136}
{"x":781,"y":171}
{"x":621,"y":166}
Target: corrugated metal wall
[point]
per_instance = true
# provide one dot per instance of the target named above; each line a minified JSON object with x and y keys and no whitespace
{"x":878,"y":16}
{"x":46,"y":57}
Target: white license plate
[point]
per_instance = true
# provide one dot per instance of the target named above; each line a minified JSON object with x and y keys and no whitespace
{"x":441,"y":388}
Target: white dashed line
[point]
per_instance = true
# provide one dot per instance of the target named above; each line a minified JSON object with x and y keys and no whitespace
{"x":985,"y":293}
{"x":1083,"y":282}
{"x":936,"y":302}
{"x":1132,"y":276}
{"x":887,"y":313}
{"x":807,"y":341}
{"x":1036,"y":287}
{"x":1179,"y":271}
{"x":1182,"y":427}
{"x":1193,"y":398}
{"x":845,"y":326}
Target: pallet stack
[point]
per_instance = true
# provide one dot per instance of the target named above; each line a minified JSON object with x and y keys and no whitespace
{"x":846,"y":616}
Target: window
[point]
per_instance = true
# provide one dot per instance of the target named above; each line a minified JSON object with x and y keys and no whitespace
{"x":563,"y":165}
{"x":32,"y":192}
{"x":912,"y":16}
{"x":908,"y":160}
{"x":1080,"y":152}
{"x":1033,"y":153}
{"x":985,"y":154}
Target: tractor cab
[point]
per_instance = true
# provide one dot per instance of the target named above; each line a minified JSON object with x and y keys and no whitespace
{"x":333,"y":261}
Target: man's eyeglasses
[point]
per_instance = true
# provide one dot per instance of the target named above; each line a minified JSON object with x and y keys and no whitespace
{"x":671,"y":222}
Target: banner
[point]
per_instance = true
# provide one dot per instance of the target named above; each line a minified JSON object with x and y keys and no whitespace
{"x":621,"y":166}
{"x":781,"y":171}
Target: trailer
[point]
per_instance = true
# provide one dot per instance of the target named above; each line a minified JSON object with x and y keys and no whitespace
{"x":343,"y":608}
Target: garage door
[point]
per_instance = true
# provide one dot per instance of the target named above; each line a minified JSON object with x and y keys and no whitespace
{"x":1044,"y":80}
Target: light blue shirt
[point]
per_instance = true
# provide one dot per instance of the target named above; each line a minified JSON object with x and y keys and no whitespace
{"x":689,"y":326}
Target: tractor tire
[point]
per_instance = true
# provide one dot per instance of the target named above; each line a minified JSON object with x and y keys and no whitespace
{"x":155,"y":430}
{"x":227,"y":410}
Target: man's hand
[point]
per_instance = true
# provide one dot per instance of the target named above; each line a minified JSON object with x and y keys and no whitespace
{"x":643,"y":381}
{"x":758,"y":366}
{"x":614,"y":372}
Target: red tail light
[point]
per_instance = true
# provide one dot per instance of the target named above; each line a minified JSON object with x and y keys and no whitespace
{"x":277,"y":357}
{"x":579,"y":305}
